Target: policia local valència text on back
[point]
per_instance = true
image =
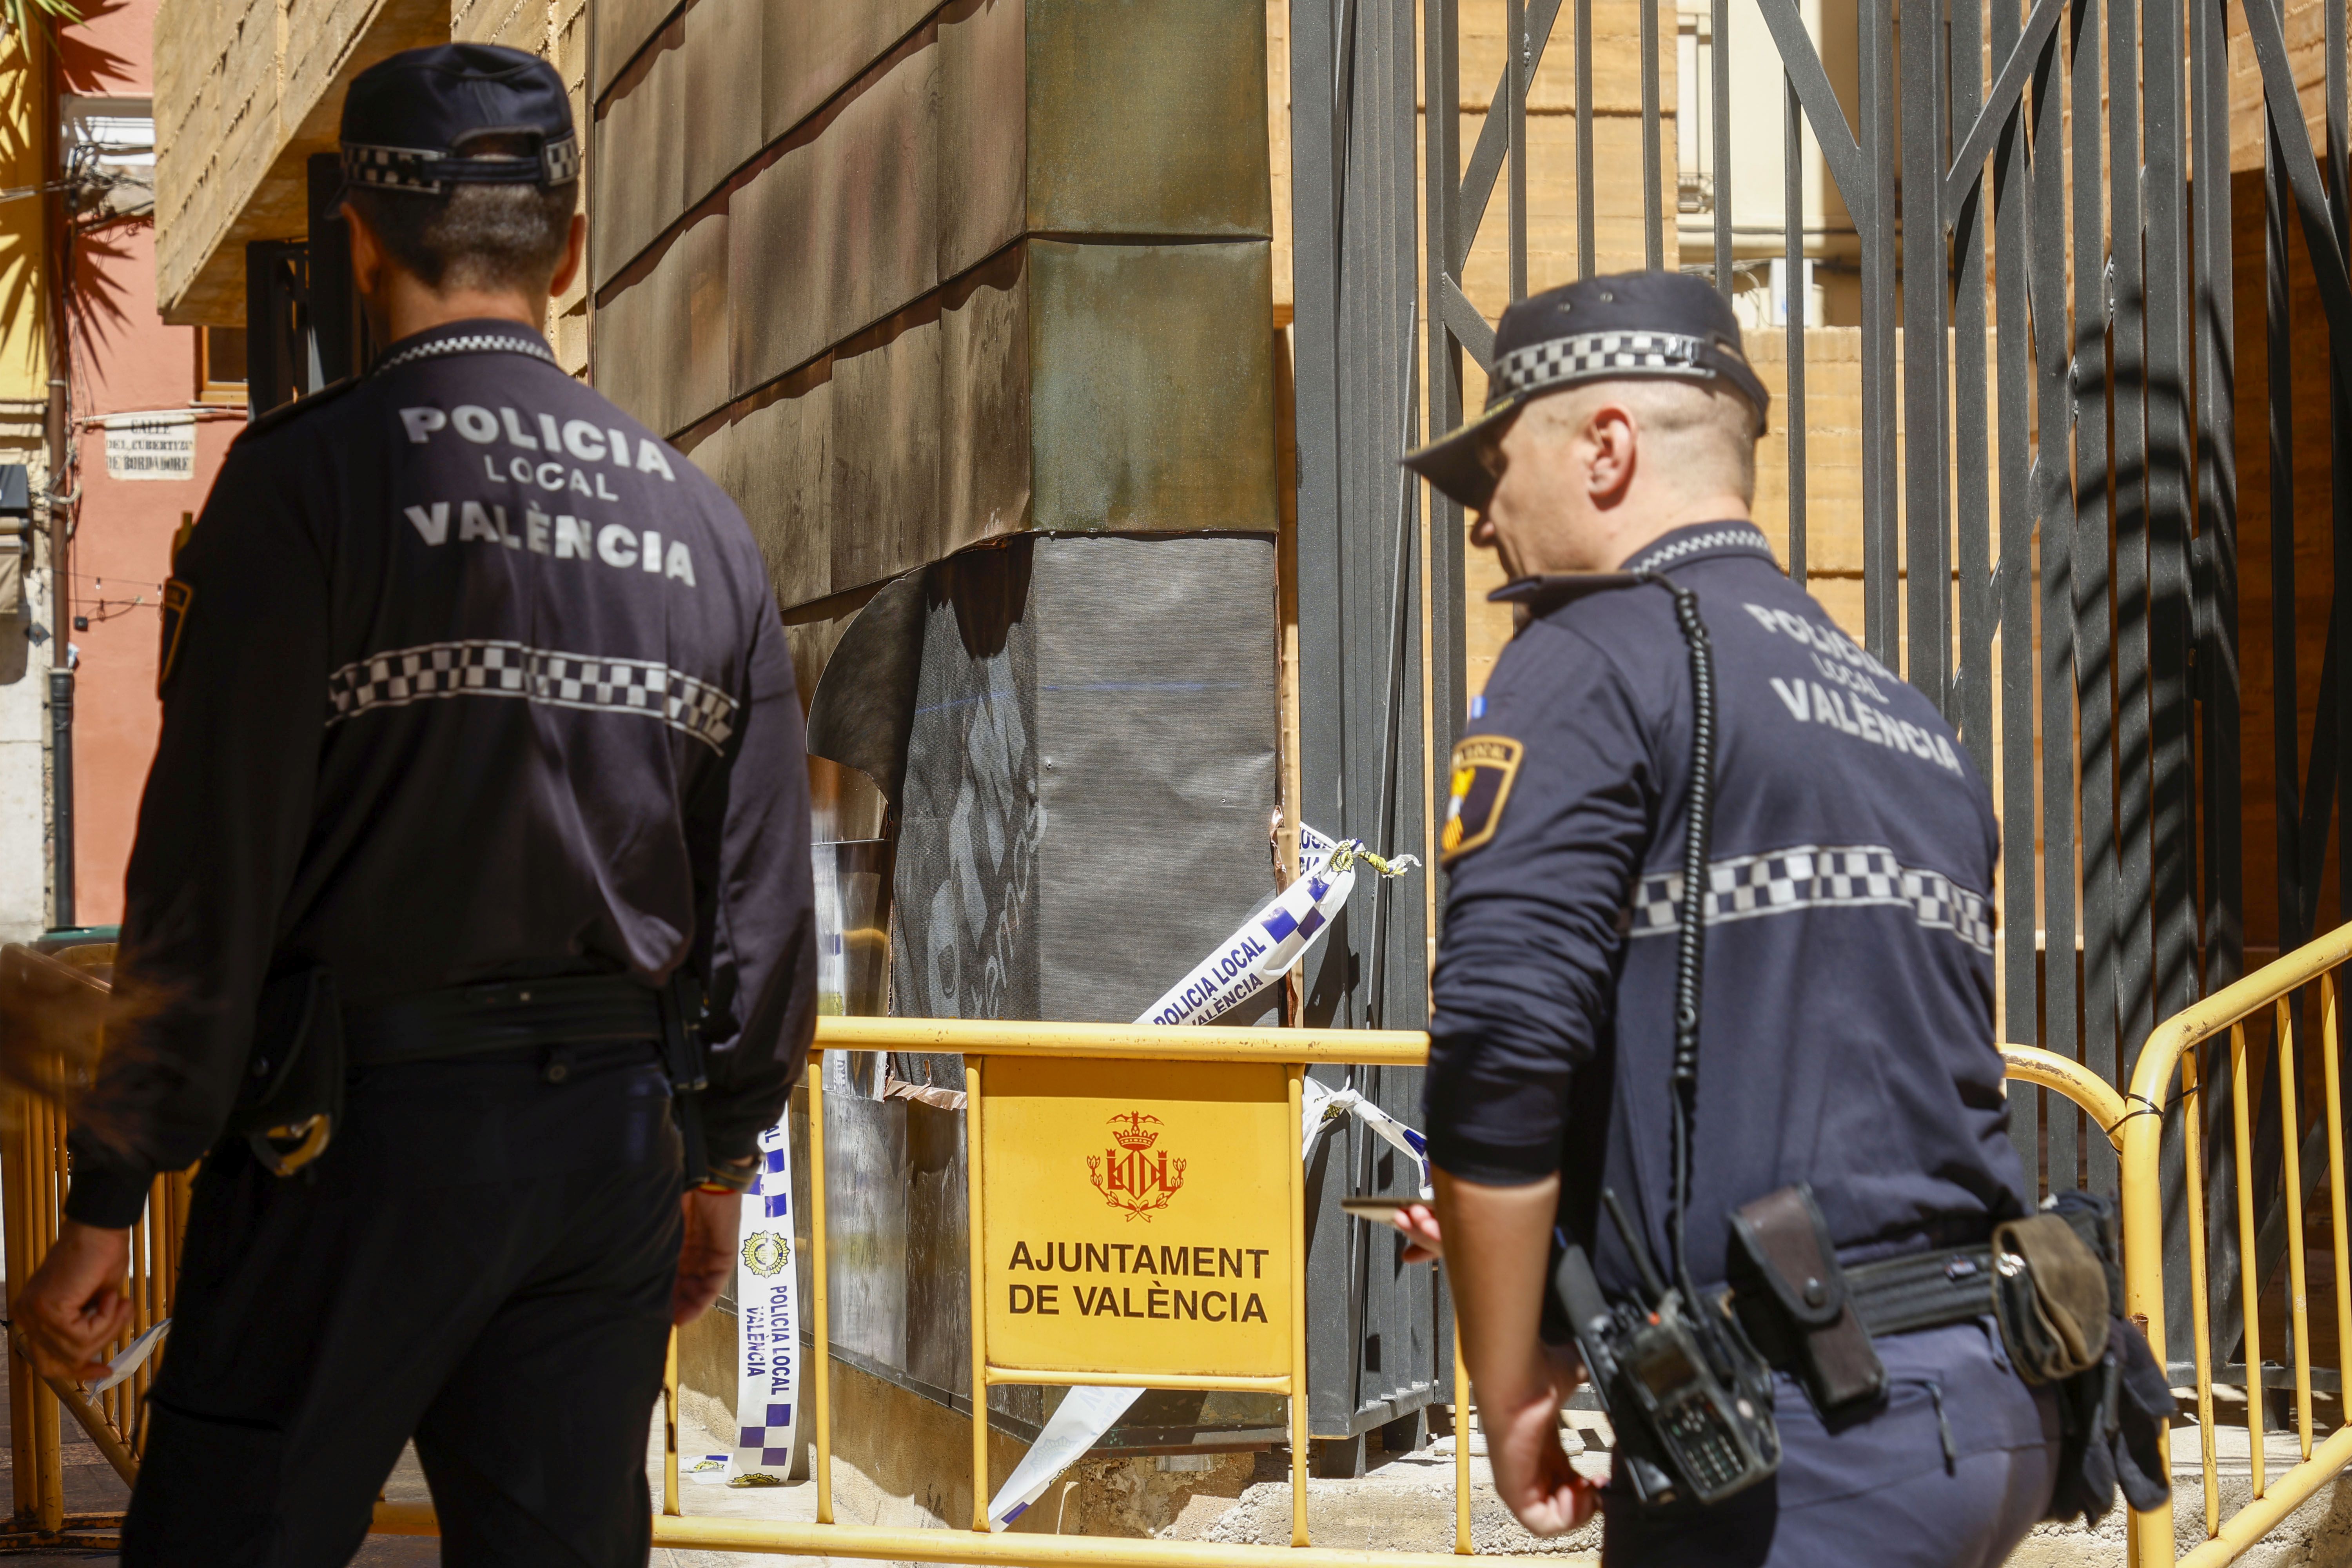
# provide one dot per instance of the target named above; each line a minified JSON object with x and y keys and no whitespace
{"x":1713,"y":1103}
{"x":470,"y":933}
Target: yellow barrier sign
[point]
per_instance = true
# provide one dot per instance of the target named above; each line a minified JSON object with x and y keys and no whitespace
{"x":1136,"y":1217}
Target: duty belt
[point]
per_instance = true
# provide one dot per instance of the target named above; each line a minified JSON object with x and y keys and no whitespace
{"x":1892,"y":1296}
{"x":469,"y":1020}
{"x":1921,"y":1289}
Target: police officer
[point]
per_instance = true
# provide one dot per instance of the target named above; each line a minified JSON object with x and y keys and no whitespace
{"x":1846,"y":1035}
{"x":478,"y":735}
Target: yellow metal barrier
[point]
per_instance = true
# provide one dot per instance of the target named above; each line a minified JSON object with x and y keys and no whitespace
{"x":2168,"y":1060}
{"x":2094,"y":1094}
{"x":52,"y":1007}
{"x":33,"y":1146}
{"x":980,"y":1043}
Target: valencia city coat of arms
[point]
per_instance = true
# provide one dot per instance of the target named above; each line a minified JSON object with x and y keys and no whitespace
{"x":1132,"y":1175}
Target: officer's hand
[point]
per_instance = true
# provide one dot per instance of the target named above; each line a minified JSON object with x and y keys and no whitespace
{"x":1532,"y":1475}
{"x":707,"y":1257}
{"x":1419,"y":1223}
{"x":74,"y":1305}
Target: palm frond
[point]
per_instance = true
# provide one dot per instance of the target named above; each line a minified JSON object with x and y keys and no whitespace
{"x":15,"y":16}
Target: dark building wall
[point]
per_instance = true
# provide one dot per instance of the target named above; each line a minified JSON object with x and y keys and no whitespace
{"x":911,"y":281}
{"x":905,"y":277}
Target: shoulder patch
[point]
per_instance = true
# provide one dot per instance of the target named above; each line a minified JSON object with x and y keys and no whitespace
{"x":1484,"y":767}
{"x":177,"y":597}
{"x":287,"y":413}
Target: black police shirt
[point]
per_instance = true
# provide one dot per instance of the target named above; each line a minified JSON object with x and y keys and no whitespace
{"x":466,"y":677}
{"x":1847,"y":1026}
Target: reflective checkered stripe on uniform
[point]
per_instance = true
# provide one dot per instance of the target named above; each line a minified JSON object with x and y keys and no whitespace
{"x":484,"y":667}
{"x":468,"y":343}
{"x":1817,"y":877}
{"x":1721,"y":539}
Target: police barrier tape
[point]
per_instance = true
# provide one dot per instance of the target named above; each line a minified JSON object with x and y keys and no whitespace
{"x":32,"y":1155}
{"x":979,"y":1040}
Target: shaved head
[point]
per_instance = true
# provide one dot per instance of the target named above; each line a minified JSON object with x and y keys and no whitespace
{"x":1586,"y":476}
{"x":1702,"y":435}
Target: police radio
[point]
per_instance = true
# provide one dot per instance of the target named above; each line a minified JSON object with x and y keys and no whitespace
{"x":1688,"y":1396}
{"x":1692,"y":1418}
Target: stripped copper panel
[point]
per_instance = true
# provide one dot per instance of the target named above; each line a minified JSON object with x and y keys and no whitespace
{"x":1151,"y":385}
{"x":983,"y":405}
{"x":781,"y":478}
{"x":1147,"y":117}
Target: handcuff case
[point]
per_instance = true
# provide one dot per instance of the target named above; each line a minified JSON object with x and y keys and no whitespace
{"x":1792,"y":1301}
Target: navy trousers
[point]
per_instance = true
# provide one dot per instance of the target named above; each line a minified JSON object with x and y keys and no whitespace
{"x":1949,"y":1472}
{"x":483,"y":1260}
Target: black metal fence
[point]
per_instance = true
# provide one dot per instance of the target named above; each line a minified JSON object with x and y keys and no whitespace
{"x":2044,"y":308}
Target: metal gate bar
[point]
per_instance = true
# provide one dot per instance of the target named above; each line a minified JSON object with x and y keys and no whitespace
{"x":2048,"y":508}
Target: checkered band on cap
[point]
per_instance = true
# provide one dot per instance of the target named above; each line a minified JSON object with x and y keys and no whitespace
{"x":561,"y":160}
{"x":637,"y":687}
{"x":415,"y":169}
{"x":391,"y":168}
{"x":1557,"y":361}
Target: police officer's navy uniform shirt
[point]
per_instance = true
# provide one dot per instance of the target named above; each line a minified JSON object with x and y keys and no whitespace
{"x":477,"y":679}
{"x":1847,"y":1035}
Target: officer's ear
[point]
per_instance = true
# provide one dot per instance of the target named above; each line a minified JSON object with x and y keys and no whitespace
{"x":368,"y":253}
{"x":1609,"y":441}
{"x":575,"y":250}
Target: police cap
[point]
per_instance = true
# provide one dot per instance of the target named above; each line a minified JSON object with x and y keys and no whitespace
{"x":408,"y":119}
{"x":1596,"y":329}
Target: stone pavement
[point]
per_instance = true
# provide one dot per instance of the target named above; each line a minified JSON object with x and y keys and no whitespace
{"x":92,"y":1487}
{"x":1404,"y":1501}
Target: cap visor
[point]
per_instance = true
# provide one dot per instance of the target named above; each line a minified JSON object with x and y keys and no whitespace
{"x":1451,"y":463}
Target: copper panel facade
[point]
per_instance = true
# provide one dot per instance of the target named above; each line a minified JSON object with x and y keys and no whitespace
{"x":1152,"y":377}
{"x":639,"y":169}
{"x":876,"y":158}
{"x":622,"y":28}
{"x":645,"y":337}
{"x":984,"y":402}
{"x":698,"y":258}
{"x":885,"y":449}
{"x":781,"y":478}
{"x":715,"y":453}
{"x":662,"y":340}
{"x":781,"y":258}
{"x":625,"y":371}
{"x":721,"y":98}
{"x":1147,"y":118}
{"x":983,"y":133}
{"x":813,"y":48}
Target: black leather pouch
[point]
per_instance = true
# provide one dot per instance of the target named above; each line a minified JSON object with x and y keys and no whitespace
{"x":292,"y":1096}
{"x":2050,"y":1298}
{"x":1792,"y":1300}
